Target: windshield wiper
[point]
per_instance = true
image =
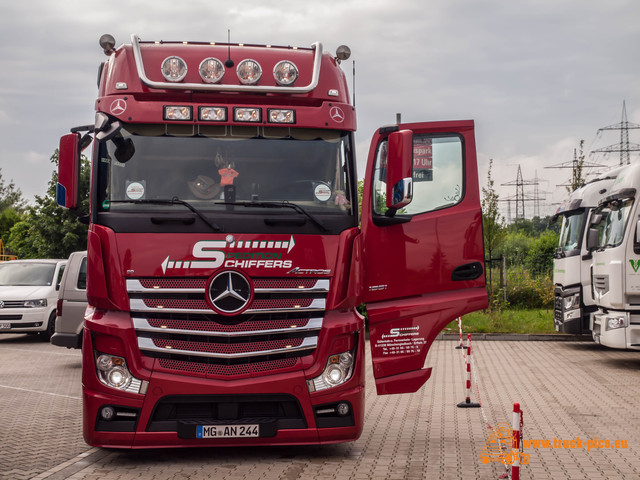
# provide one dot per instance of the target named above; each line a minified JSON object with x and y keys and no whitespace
{"x":283,"y":204}
{"x":175,"y":200}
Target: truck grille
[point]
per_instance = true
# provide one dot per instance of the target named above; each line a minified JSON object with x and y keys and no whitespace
{"x":601,"y":283}
{"x":175,"y":324}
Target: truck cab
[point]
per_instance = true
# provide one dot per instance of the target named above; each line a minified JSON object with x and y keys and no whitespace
{"x":615,"y":242}
{"x":226,"y":257}
{"x":574,"y":302}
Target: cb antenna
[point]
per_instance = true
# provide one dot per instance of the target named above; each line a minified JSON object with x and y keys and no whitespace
{"x":229,"y":63}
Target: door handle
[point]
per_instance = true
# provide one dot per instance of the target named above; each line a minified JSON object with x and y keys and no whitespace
{"x":468,"y":271}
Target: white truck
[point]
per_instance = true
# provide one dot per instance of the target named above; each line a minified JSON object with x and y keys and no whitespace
{"x":573,"y":300}
{"x":614,"y":238}
{"x":28,"y":296}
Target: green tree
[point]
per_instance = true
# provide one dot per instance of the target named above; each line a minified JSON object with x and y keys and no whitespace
{"x":10,"y":196}
{"x":492,"y":221}
{"x":540,"y":258}
{"x":48,"y":230}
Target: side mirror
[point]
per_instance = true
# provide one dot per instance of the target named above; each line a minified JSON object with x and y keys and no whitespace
{"x":593,"y":237}
{"x":399,"y":170}
{"x":68,"y":171}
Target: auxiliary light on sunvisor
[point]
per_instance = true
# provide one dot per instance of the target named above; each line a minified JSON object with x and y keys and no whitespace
{"x":178,"y":112}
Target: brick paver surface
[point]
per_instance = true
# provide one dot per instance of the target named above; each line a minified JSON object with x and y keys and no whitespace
{"x":567,"y":391}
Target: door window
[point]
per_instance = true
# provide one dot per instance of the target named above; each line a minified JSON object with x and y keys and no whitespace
{"x":437,"y":174}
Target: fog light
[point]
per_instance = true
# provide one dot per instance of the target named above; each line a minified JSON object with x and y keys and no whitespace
{"x":107,"y":413}
{"x":342,"y":409}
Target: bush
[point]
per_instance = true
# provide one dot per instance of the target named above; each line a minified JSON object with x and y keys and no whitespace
{"x":527,"y":291}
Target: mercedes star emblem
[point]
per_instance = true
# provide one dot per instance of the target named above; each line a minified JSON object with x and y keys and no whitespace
{"x":118,"y":106}
{"x":337,"y":114}
{"x":229,"y":292}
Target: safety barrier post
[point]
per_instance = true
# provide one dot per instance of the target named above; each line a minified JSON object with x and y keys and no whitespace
{"x":515,"y":447}
{"x":467,"y":403}
{"x":461,"y":346}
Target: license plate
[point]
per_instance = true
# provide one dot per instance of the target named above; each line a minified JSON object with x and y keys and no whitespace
{"x":227,"y":431}
{"x":5,"y":325}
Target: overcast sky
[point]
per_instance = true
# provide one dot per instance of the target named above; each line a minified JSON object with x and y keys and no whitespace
{"x":535,"y":75}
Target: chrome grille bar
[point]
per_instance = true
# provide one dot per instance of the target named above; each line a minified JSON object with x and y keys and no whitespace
{"x":146,"y":344}
{"x":142,"y":325}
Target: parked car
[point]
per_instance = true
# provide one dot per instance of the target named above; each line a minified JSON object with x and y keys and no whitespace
{"x":72,"y":303}
{"x":28,"y":296}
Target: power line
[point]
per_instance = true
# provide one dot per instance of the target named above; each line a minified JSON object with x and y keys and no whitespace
{"x":624,"y":147}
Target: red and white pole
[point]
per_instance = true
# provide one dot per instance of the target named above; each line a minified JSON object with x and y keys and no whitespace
{"x":515,"y":447}
{"x":467,"y":403}
{"x":461,"y":346}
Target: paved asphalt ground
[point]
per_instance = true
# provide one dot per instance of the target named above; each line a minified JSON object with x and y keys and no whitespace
{"x":567,"y":390}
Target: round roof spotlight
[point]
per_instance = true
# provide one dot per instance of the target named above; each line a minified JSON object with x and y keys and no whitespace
{"x":343,"y":53}
{"x":174,"y":69}
{"x":107,"y":42}
{"x":285,"y":73}
{"x":249,"y":72}
{"x":211,"y":70}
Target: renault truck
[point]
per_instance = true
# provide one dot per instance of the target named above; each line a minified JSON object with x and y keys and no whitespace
{"x":227,"y":263}
{"x":614,"y":238}
{"x":573,"y":299}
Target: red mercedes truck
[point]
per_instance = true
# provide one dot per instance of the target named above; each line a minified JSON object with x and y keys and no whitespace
{"x":227,"y":258}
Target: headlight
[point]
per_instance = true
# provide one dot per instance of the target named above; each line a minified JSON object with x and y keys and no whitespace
{"x":338,"y":370}
{"x":174,"y":69}
{"x":113,"y":372}
{"x":249,"y":72}
{"x":614,"y":322}
{"x":572,"y":301}
{"x":35,"y":303}
{"x":211,"y":70}
{"x":285,"y":73}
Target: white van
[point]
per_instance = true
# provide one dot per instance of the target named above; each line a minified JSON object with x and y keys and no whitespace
{"x":72,"y":303}
{"x":28,"y":296}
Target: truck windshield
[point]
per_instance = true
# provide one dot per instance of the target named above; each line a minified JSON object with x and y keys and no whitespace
{"x":26,"y":274}
{"x":207,"y":166}
{"x":571,"y":231}
{"x":615,"y":222}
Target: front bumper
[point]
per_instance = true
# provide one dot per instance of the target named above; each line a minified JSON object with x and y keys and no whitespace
{"x":624,"y":338}
{"x":24,"y":320}
{"x":174,"y":403}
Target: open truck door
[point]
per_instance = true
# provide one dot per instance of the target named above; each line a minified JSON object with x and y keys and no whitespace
{"x":422,"y":255}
